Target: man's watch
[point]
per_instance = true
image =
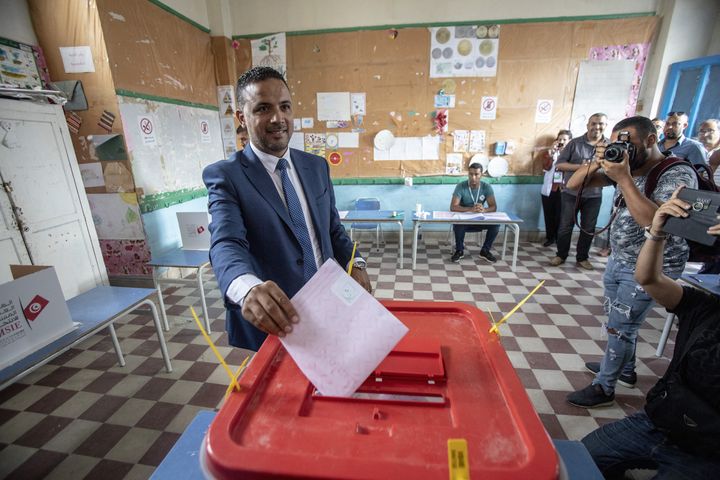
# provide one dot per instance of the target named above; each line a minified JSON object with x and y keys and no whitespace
{"x":359,"y":264}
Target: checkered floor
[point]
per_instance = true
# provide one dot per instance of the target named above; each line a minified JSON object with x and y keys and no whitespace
{"x":83,"y":416}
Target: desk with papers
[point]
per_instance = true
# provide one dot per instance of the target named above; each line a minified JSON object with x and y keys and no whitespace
{"x":495,"y":218}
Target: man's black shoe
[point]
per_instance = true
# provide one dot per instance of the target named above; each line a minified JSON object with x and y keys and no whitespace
{"x":625,"y":380}
{"x":457,"y":256}
{"x":487,"y":255}
{"x":548,"y":242}
{"x":591,"y":396}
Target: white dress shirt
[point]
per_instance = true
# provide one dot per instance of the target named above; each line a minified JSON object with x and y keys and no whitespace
{"x":240,"y":287}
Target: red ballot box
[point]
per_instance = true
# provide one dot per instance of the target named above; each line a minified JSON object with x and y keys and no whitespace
{"x":449,"y":378}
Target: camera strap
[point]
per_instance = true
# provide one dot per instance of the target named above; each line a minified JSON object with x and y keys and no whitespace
{"x":578,"y":199}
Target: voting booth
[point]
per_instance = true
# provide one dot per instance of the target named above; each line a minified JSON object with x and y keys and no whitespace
{"x":33,"y":312}
{"x":445,"y":399}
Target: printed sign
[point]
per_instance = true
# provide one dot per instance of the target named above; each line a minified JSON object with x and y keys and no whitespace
{"x":543,"y":111}
{"x":488,"y":109}
{"x":146,"y":125}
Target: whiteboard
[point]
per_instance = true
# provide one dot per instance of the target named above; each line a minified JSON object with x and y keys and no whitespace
{"x":183,"y":141}
{"x":601,"y":87}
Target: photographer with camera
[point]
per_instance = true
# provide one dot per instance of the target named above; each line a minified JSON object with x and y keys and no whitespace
{"x":661,"y":436}
{"x":626,"y":163}
{"x":577,"y":154}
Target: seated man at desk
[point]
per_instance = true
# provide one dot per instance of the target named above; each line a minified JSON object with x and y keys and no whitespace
{"x":678,"y":431}
{"x":473,"y":195}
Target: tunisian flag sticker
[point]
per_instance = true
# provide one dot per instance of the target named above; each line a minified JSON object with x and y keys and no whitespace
{"x":36,"y":305}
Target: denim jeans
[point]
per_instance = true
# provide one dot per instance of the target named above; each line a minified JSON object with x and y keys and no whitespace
{"x":626,"y":305}
{"x":589,"y":209}
{"x":633,"y":442}
{"x":492,"y":232}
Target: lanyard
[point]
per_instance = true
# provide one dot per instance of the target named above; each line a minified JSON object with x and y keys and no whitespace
{"x":476,"y":197}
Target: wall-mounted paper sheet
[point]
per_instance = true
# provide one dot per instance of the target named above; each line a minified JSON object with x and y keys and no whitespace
{"x":410,"y":148}
{"x":349,"y":140}
{"x":601,"y":87}
{"x":333,"y":106}
{"x":477,"y":141}
{"x":77,"y":59}
{"x":92,"y":174}
{"x":116,"y":216}
{"x":461,"y":140}
{"x":343,"y":333}
{"x":297,"y":141}
{"x":357,"y":103}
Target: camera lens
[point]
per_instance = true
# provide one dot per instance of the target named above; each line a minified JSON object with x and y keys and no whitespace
{"x":614,"y":153}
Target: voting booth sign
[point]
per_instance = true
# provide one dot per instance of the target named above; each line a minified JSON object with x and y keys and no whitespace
{"x":194,"y":230}
{"x":33,"y":312}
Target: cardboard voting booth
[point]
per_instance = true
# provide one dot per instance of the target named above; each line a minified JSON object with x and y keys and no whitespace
{"x":194,"y":232}
{"x":33,"y":312}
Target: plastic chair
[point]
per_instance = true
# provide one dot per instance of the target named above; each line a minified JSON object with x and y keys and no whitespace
{"x":367,"y":204}
{"x":690,"y":268}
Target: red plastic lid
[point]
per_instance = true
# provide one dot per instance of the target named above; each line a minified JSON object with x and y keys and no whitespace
{"x":450,"y":379}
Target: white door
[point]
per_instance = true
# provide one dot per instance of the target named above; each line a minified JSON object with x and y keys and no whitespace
{"x":39,"y":164}
{"x":12,"y":246}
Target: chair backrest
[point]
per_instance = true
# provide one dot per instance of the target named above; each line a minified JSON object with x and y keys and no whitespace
{"x":369,"y":203}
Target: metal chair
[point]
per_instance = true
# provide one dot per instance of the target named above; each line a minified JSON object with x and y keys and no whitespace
{"x":370,"y":203}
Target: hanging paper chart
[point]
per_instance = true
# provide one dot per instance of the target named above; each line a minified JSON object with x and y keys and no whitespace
{"x":464,"y":51}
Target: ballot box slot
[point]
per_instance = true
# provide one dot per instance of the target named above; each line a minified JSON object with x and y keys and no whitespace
{"x":387,"y":397}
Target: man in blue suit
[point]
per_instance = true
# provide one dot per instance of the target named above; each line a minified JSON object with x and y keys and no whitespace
{"x":274,"y":220}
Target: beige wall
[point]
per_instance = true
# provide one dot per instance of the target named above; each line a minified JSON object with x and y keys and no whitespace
{"x":195,"y":10}
{"x":267,"y":16}
{"x":15,"y":22}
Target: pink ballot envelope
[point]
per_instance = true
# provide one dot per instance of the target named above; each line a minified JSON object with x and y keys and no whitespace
{"x":343,"y":333}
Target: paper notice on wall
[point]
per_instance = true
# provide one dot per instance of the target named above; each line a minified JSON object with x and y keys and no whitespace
{"x":315,"y":143}
{"x":357,"y":103}
{"x":269,"y":52}
{"x":410,"y":148}
{"x":349,"y":140}
{"x":77,"y":59}
{"x":461,"y":140}
{"x":146,"y":126}
{"x":543,"y":111}
{"x":444,"y":101}
{"x":204,"y":128}
{"x":477,"y":141}
{"x":118,"y":178}
{"x":601,"y":87}
{"x":116,"y":216}
{"x":226,"y":100}
{"x":307,"y":122}
{"x":453,"y":163}
{"x":297,"y":124}
{"x":488,"y":108}
{"x":297,"y":141}
{"x":333,"y":106}
{"x":92,"y":174}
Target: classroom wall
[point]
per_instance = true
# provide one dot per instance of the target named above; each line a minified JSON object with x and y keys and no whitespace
{"x":264,"y":16}
{"x":15,"y":22}
{"x":196,"y":10}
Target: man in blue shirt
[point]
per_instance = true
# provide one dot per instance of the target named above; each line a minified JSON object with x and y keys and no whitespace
{"x":474,"y":196}
{"x":679,"y":145}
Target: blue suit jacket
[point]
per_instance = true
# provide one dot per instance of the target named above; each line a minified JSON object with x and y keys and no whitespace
{"x":251,"y":230}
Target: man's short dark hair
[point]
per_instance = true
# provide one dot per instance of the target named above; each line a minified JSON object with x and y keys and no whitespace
{"x":642,"y":125}
{"x":598,"y":114}
{"x":565,"y":132}
{"x":255,"y":75}
{"x":475,"y":165}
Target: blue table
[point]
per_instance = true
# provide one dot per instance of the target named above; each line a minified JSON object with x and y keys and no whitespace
{"x":709,"y":283}
{"x":179,"y":258}
{"x":378,"y":216}
{"x":513,"y":223}
{"x":183,"y":461}
{"x":93,"y":310}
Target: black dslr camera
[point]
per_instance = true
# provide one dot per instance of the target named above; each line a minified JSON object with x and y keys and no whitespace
{"x":614,"y":151}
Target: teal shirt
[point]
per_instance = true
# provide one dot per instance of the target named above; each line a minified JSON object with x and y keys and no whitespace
{"x":467,"y":198}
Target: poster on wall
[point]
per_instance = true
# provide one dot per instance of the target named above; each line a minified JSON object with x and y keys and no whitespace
{"x":116,"y":216}
{"x":636,"y":52}
{"x":464,"y":51}
{"x":270,"y":52}
{"x":17,"y":65}
{"x":601,"y":87}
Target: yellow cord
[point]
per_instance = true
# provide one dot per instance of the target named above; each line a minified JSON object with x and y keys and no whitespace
{"x":233,"y":381}
{"x":495,"y":326}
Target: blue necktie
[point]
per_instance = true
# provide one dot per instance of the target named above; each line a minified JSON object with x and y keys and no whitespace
{"x":298,"y":220}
